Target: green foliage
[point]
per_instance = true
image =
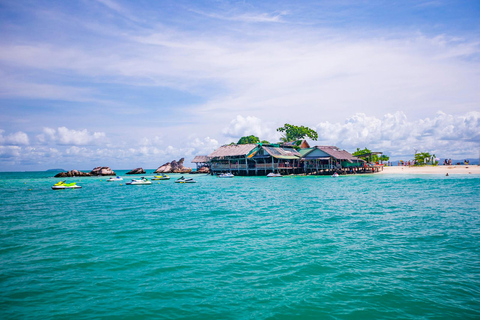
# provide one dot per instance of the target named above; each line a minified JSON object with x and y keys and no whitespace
{"x":423,"y":158}
{"x":366,"y":155}
{"x":293,"y":133}
{"x":360,"y":152}
{"x":249,"y":139}
{"x":264,"y":142}
{"x":370,"y":158}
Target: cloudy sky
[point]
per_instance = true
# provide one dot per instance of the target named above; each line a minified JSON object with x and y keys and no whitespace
{"x":132,"y":84}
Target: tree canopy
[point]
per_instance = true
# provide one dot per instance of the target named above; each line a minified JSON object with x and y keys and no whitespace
{"x":367,"y":154}
{"x":424,"y":157}
{"x":361,"y":152}
{"x":293,"y":133}
{"x":249,"y":139}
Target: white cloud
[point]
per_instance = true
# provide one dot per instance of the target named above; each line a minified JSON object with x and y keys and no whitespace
{"x":287,"y":72}
{"x":155,"y":141}
{"x":445,"y":135}
{"x":9,"y":152}
{"x":250,"y":125}
{"x":203,"y":146}
{"x":17,"y":138}
{"x":246,"y":17}
{"x":65,"y":136}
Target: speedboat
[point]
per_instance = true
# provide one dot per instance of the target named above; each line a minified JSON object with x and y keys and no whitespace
{"x":184,"y":180}
{"x":63,"y":185}
{"x":226,"y":175}
{"x":114,"y":179}
{"x":274,"y":175}
{"x":335,"y":175}
{"x":141,"y":181}
{"x":162,"y":177}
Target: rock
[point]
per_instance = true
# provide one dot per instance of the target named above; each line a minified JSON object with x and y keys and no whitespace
{"x":173,"y":167}
{"x":137,"y":171}
{"x":102,"y":171}
{"x":72,"y":173}
{"x":203,"y":169}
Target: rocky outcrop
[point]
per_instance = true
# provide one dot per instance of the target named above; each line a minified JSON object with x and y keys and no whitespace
{"x":72,"y":173}
{"x":202,"y":170}
{"x":98,"y":171}
{"x":137,"y":171}
{"x":102,"y":171}
{"x":173,"y":167}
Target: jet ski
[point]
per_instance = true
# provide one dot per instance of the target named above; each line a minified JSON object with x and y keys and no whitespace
{"x":114,"y":179}
{"x":274,"y":175}
{"x":162,"y":177}
{"x":63,"y":185}
{"x":182,"y":179}
{"x":141,"y":181}
{"x":226,"y":175}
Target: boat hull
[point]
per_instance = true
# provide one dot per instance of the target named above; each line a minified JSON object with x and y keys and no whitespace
{"x":65,"y":187}
{"x":274,"y":175}
{"x":135,"y":183}
{"x":161,"y":178}
{"x":186,"y":181}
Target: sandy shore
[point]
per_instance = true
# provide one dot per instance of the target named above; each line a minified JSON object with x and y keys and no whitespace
{"x":462,"y":169}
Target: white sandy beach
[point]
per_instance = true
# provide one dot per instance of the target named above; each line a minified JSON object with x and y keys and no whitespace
{"x":455,"y":169}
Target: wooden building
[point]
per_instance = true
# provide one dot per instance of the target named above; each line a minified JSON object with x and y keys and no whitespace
{"x":201,"y":161}
{"x":329,"y":159}
{"x":259,"y":159}
{"x":235,"y":158}
{"x":276,"y":159}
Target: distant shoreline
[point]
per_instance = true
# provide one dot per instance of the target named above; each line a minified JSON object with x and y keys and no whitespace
{"x":454,"y":169}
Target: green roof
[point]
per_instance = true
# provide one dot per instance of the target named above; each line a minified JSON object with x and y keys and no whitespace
{"x":286,"y":157}
{"x":305,"y":151}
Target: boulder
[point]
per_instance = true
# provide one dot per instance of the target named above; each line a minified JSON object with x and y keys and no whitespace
{"x":102,"y":171}
{"x":173,"y":167}
{"x":203,"y":169}
{"x":72,"y":173}
{"x":137,"y":171}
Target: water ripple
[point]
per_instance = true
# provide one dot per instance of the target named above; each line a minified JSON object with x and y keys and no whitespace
{"x":357,"y":247}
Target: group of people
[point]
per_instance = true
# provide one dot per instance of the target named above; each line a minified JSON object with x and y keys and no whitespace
{"x":447,"y":162}
{"x":408,"y":163}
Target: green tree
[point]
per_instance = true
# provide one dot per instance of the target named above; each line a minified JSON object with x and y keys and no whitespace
{"x":384,"y":158}
{"x":423,"y":158}
{"x":359,"y":152}
{"x":366,"y":154}
{"x":293,"y":133}
{"x":249,"y":139}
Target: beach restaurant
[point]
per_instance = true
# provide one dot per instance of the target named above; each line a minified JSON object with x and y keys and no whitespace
{"x":262,"y":159}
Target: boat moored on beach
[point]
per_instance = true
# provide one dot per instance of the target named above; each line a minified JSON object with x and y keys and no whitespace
{"x":142,"y":181}
{"x":63,"y":185}
{"x":182,"y":179}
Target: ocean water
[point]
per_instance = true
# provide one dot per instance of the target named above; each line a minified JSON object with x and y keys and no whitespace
{"x":355,"y":247}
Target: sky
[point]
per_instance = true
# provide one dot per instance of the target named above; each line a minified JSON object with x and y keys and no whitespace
{"x":127,"y":84}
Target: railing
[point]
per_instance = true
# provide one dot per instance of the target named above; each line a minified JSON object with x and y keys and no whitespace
{"x":320,"y":166}
{"x":220,"y":166}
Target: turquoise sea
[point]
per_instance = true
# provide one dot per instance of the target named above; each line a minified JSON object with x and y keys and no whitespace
{"x":355,"y":247}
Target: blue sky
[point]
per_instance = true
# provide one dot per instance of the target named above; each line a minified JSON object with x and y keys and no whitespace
{"x":136,"y":84}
